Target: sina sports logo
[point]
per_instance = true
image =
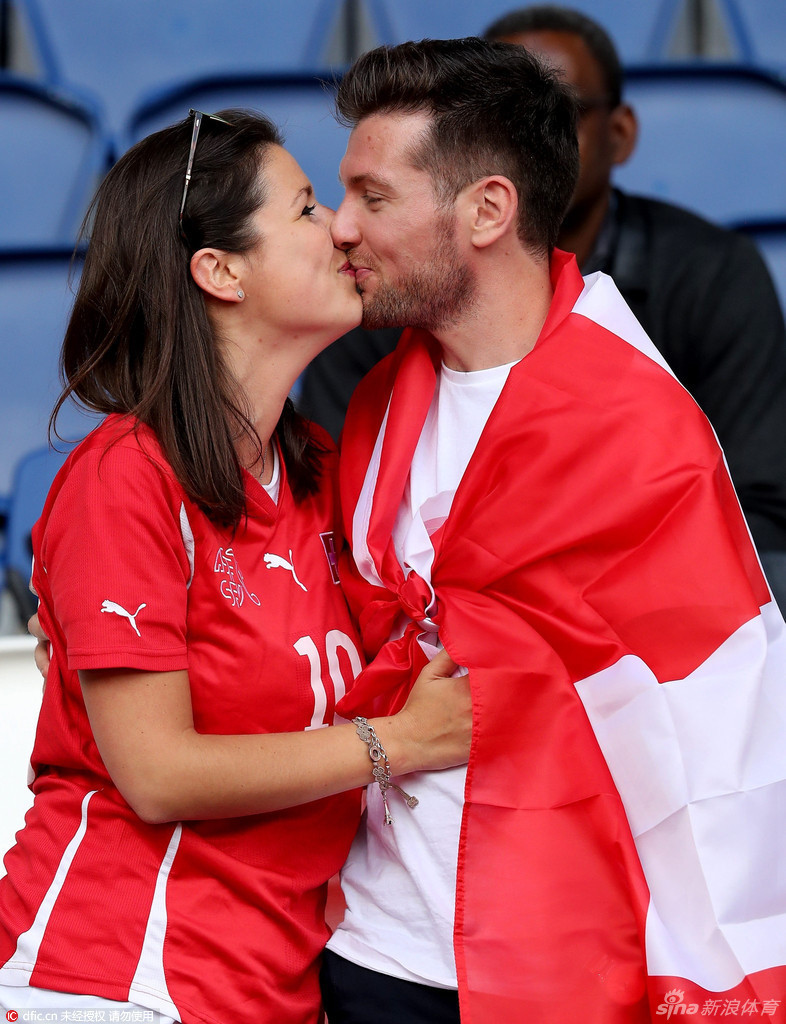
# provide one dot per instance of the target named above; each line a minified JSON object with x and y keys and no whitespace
{"x":673,"y":1005}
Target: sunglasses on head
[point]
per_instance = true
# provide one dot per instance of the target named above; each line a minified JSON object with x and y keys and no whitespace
{"x":198,"y":115}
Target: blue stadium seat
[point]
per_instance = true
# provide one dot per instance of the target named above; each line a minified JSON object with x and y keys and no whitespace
{"x":32,"y":478}
{"x":640,"y":29}
{"x":770,"y":237}
{"x":712,"y":138}
{"x":301,"y":106}
{"x":122,"y":50}
{"x":53,"y":154}
{"x":758,"y":27}
{"x":35,"y":299}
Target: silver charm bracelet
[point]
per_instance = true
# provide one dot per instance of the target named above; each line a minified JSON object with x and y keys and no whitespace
{"x":380,"y":766}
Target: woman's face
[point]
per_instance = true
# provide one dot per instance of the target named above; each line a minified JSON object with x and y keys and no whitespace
{"x":298,"y":286}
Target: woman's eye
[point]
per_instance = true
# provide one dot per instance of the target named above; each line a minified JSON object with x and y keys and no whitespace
{"x":308,"y":210}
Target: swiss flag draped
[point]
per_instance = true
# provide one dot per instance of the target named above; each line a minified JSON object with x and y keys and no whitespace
{"x":623,"y":838}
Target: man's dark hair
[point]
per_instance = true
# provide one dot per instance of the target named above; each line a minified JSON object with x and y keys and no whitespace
{"x":553,"y":18}
{"x":495,"y":109}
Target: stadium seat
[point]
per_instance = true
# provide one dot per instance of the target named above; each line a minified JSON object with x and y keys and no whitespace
{"x":712,"y":138}
{"x":770,"y":237}
{"x":758,"y":28}
{"x":54,"y":152}
{"x":301,"y":106}
{"x":641,"y":30}
{"x":35,"y":299}
{"x":122,"y":50}
{"x":32,"y":478}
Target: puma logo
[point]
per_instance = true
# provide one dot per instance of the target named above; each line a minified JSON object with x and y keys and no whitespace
{"x":277,"y":562}
{"x":110,"y":606}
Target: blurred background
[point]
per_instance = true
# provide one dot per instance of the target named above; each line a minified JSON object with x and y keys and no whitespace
{"x":82,"y":80}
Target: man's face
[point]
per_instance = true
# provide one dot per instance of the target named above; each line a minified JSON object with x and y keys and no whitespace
{"x":409,"y":269}
{"x":596,"y":127}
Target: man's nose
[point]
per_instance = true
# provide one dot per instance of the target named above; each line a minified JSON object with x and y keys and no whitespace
{"x":344,"y":228}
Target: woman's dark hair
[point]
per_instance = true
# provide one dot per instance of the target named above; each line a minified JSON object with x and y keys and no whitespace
{"x":139,"y":341}
{"x":553,"y":18}
{"x":495,"y":109}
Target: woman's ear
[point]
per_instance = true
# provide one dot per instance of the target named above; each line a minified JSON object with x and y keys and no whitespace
{"x":216,"y":273}
{"x":492,"y":205}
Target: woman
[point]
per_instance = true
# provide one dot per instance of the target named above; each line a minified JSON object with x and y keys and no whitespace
{"x":189,"y":808}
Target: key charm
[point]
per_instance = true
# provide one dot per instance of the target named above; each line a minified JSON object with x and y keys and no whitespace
{"x":380,"y":767}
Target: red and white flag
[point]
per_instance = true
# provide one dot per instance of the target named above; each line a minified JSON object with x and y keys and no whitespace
{"x":623,"y":846}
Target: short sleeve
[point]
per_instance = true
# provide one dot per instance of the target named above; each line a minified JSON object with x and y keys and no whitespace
{"x":116,"y":563}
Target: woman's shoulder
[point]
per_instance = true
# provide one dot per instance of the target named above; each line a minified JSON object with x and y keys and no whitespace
{"x":127,"y":437}
{"x":121,"y":454}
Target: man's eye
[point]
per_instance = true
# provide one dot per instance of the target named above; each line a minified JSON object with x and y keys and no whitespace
{"x":372,"y":199}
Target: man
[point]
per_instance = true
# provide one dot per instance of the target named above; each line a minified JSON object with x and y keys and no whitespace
{"x":702,"y":294}
{"x":525,"y":483}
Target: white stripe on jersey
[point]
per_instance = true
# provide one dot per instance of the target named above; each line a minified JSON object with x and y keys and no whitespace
{"x":29,"y":942}
{"x":188,"y":541}
{"x":149,"y":979}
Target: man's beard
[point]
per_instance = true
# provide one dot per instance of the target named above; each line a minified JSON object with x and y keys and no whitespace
{"x":432,"y":296}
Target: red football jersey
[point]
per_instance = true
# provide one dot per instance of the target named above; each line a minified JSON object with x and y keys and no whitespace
{"x":201,"y":919}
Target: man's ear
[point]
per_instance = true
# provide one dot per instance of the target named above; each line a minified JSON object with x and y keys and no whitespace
{"x":624,"y":128}
{"x":217,"y":274}
{"x":492,"y":204}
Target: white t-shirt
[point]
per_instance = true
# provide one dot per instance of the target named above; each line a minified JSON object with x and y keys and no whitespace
{"x":400,"y":881}
{"x":275,"y":480}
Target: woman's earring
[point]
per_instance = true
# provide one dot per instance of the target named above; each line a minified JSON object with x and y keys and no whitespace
{"x":240,"y":293}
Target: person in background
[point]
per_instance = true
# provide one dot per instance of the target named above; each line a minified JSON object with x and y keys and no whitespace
{"x":189,"y":805}
{"x":525,"y":483}
{"x":702,"y":293}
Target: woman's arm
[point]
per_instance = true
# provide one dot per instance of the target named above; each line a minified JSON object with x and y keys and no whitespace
{"x":143,"y":726}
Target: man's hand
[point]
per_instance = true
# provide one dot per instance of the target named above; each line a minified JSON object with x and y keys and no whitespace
{"x":42,"y":647}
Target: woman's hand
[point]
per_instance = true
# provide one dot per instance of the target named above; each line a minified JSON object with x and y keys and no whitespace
{"x":434,"y":728}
